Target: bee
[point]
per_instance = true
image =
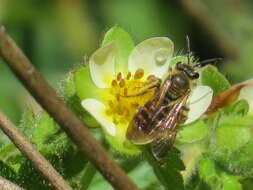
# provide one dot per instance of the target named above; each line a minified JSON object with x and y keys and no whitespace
{"x":157,"y":121}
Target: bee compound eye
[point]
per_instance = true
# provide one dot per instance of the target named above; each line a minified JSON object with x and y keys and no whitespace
{"x":195,"y":75}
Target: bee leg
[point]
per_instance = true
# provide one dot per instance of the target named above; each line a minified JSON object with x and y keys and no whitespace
{"x":143,"y":92}
{"x":161,"y":110}
{"x":185,"y":108}
{"x":152,"y":81}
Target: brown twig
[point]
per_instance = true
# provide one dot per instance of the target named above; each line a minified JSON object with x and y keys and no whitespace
{"x":27,"y":149}
{"x":73,"y":126}
{"x":199,"y":12}
{"x":7,"y":185}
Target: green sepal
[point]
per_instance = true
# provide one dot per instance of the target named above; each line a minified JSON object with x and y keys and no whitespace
{"x":84,"y":88}
{"x":122,"y":145}
{"x":124,"y":45}
{"x":210,"y":76}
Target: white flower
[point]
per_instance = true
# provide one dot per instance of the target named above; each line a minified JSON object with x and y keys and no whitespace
{"x":114,"y":111}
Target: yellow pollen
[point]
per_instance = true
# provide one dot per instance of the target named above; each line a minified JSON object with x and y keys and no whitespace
{"x":126,"y":96}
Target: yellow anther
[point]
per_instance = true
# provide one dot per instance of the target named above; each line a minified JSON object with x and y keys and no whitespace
{"x":119,"y":76}
{"x":151,"y":77}
{"x":114,"y":83}
{"x":120,"y":107}
{"x":129,"y":75}
{"x":122,"y":83}
{"x":138,"y":74}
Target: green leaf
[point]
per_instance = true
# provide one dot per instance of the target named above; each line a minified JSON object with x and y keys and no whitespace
{"x":247,"y":183}
{"x":213,"y":78}
{"x":45,"y":127}
{"x":195,"y":183}
{"x":193,"y":132}
{"x":29,"y":178}
{"x":27,"y":124}
{"x":237,"y":131}
{"x":124,"y":45}
{"x":241,"y":108}
{"x":215,"y":177}
{"x":88,"y":176}
{"x":168,"y":173}
{"x":208,"y":173}
{"x":231,"y":145}
{"x":9,"y":153}
{"x":230,"y":182}
{"x":7,"y":172}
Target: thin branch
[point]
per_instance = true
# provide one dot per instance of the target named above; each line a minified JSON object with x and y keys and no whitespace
{"x":199,"y":12}
{"x":8,"y":185}
{"x":73,"y":126}
{"x":27,"y":149}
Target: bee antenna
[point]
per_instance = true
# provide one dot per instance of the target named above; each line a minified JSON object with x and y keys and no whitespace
{"x":208,"y":61}
{"x":188,"y":48}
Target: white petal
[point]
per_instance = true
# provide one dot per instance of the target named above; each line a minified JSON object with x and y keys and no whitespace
{"x":102,"y":65}
{"x":198,"y":102}
{"x":153,"y":55}
{"x":246,"y":93}
{"x":97,"y":110}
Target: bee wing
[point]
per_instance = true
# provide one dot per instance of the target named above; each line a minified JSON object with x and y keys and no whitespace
{"x":163,"y":92}
{"x":174,"y":117}
{"x":166,"y":129}
{"x":161,"y":146}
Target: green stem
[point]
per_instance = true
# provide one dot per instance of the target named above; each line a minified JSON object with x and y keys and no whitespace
{"x":88,"y":175}
{"x":90,"y":170}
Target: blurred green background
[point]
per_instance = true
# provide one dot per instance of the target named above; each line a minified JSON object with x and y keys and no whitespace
{"x":56,"y":35}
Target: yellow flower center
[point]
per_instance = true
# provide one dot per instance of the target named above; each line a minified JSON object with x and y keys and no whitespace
{"x":127,"y":95}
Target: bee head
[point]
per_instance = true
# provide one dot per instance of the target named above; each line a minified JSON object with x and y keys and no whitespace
{"x":188,"y":70}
